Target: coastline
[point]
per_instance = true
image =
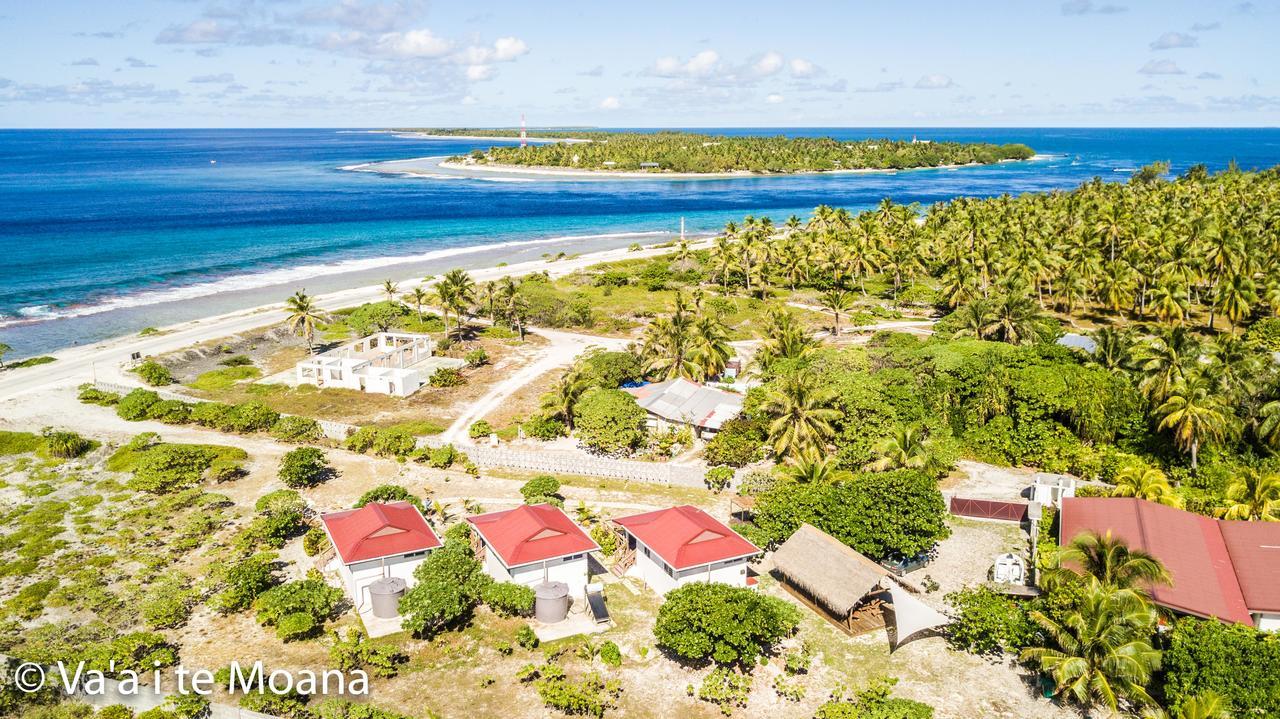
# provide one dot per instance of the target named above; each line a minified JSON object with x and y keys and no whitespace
{"x":78,"y":364}
{"x":448,"y":169}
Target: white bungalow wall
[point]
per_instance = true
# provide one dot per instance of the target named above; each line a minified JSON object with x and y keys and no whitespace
{"x":661,"y":578}
{"x":355,"y":577}
{"x":571,"y":570}
{"x":1269,"y":622}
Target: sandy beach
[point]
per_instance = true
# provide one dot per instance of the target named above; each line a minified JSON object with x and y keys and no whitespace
{"x":76,"y":365}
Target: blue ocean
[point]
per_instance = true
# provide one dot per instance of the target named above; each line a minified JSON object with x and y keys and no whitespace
{"x":108,"y":231}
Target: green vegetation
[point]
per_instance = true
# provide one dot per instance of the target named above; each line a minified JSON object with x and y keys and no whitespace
{"x":875,"y":702}
{"x":297,"y":610}
{"x":304,"y":467}
{"x":221,"y":379}
{"x":160,"y":467}
{"x":154,"y":373}
{"x":1235,"y":662}
{"x":609,"y":421}
{"x":705,"y":621}
{"x":543,"y":489}
{"x":669,"y":151}
{"x":28,"y":362}
{"x":508,"y":599}
{"x":450,"y":583}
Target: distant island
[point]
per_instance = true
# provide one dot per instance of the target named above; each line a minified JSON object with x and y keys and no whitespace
{"x":690,"y":153}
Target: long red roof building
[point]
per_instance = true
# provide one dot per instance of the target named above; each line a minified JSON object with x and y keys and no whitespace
{"x":1224,"y":569}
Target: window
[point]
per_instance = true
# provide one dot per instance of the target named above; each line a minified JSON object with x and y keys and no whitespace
{"x":670,"y":572}
{"x":415,"y":554}
{"x":570,"y":559}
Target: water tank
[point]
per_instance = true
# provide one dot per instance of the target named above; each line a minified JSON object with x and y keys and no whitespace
{"x":551,"y":602}
{"x":385,"y":595}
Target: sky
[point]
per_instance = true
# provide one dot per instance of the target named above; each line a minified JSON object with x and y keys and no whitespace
{"x":425,"y":63}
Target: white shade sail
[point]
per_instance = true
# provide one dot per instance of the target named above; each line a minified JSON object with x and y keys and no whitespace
{"x":912,"y":615}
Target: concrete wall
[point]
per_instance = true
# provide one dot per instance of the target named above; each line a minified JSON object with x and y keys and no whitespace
{"x":1269,"y":622}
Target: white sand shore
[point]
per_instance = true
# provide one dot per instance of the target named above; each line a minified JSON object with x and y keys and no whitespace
{"x":76,"y":365}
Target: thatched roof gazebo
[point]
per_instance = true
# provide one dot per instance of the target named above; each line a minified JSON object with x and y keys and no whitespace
{"x":832,"y":579}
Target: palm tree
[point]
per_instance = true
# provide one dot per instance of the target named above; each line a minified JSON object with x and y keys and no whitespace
{"x":835,"y":302}
{"x":1102,"y":653}
{"x":4,"y":350}
{"x":1109,"y":561}
{"x":974,"y":317}
{"x":814,"y":467}
{"x":1195,"y":415}
{"x":906,"y":448}
{"x":1147,"y":483}
{"x":456,"y":291}
{"x":1112,"y":351}
{"x":1268,"y":431}
{"x":561,"y":400}
{"x":667,"y":343}
{"x":390,"y":289}
{"x":418,"y":297}
{"x":784,"y":338}
{"x":1014,"y":319}
{"x":1254,"y":496}
{"x":1206,"y":705}
{"x":802,"y":412}
{"x":709,"y":346}
{"x":303,"y":317}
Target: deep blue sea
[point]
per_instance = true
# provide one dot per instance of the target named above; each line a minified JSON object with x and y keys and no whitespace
{"x":104,"y":232}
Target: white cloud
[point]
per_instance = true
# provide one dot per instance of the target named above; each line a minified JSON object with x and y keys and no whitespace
{"x":476,"y":73}
{"x":1087,"y":7}
{"x":506,"y":49}
{"x":199,"y":31}
{"x":224,"y":77}
{"x":1174,"y":40}
{"x":803,"y":68}
{"x":85,"y":62}
{"x":934,"y":82}
{"x":768,"y":64}
{"x":365,"y":16}
{"x":137,"y":63}
{"x":1205,"y":26}
{"x":1160,"y":67}
{"x":1208,"y":76}
{"x":610,"y":103}
{"x":469,"y":100}
{"x":596,"y":71}
{"x":699,"y":65}
{"x":881,"y":87}
{"x":774,"y":99}
{"x":414,"y":43}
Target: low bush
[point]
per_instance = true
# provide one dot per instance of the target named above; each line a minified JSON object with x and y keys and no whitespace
{"x":133,"y":406}
{"x":314,"y":541}
{"x":64,"y":444}
{"x":154,"y":373}
{"x":717,"y":479}
{"x":447,"y":377}
{"x":170,"y":411}
{"x":480,"y":430}
{"x":169,"y":467}
{"x":726,"y":688}
{"x":242,"y":581}
{"x":361,"y":440}
{"x":210,"y":414}
{"x":236,"y":361}
{"x":249,"y":417}
{"x":477,"y":357}
{"x":988,"y":623}
{"x":508,"y":599}
{"x":394,"y":442}
{"x":355,"y":652}
{"x":90,"y":395}
{"x":526,"y":638}
{"x":304,"y":467}
{"x":703,"y":621}
{"x":544,"y":428}
{"x":386,"y":493}
{"x":610,"y":654}
{"x":285,"y":606}
{"x":542,"y":489}
{"x":297,"y":429}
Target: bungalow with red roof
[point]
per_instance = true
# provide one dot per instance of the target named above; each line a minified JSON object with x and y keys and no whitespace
{"x":676,"y":546}
{"x":532,"y":544}
{"x":378,"y":540}
{"x":1224,"y":569}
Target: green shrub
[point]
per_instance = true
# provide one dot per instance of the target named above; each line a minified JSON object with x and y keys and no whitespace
{"x":609,"y":421}
{"x":590,"y":696}
{"x":154,"y":373}
{"x":387,"y":493}
{"x":988,"y":623}
{"x":441,"y":457}
{"x":703,"y":621}
{"x":65,"y":445}
{"x":718,"y":478}
{"x":28,"y":602}
{"x":210,"y":414}
{"x":355,"y":652}
{"x":167,"y":603}
{"x":542,"y":489}
{"x":91,"y":395}
{"x":223,"y":379}
{"x":611,"y":370}
{"x":508,"y":599}
{"x":477,"y":357}
{"x":526,"y":637}
{"x":1236,"y":661}
{"x":170,"y":411}
{"x":169,"y":467}
{"x":361,"y":440}
{"x":114,"y":711}
{"x":314,"y":541}
{"x":480,"y":429}
{"x":304,"y":467}
{"x":875,"y":702}
{"x":738,"y":443}
{"x":236,"y":361}
{"x":393,"y":442}
{"x":447,"y":377}
{"x":606,"y":538}
{"x":285,"y":605}
{"x":449,"y":584}
{"x":610,"y":654}
{"x":544,"y":428}
{"x":133,"y":406}
{"x":243,"y":581}
{"x":297,"y":429}
{"x":249,"y":417}
{"x":726,"y":688}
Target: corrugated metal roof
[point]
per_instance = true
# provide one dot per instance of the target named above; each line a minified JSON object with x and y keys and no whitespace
{"x":680,"y":400}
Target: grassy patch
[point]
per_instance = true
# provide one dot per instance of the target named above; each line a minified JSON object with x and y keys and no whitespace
{"x":225,"y":378}
{"x":19,"y":443}
{"x":30,"y":362}
{"x":418,"y":428}
{"x":126,"y":458}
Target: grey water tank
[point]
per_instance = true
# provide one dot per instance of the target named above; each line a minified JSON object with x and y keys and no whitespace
{"x":385,"y":595}
{"x":551,"y":603}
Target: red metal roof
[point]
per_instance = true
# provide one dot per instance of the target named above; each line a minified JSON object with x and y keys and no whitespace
{"x":1191,"y":547}
{"x":686,"y":536}
{"x":531,"y":533}
{"x":378,"y":530}
{"x":1255,"y":553}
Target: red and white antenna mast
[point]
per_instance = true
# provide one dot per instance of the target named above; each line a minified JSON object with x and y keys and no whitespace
{"x":524,"y":134}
